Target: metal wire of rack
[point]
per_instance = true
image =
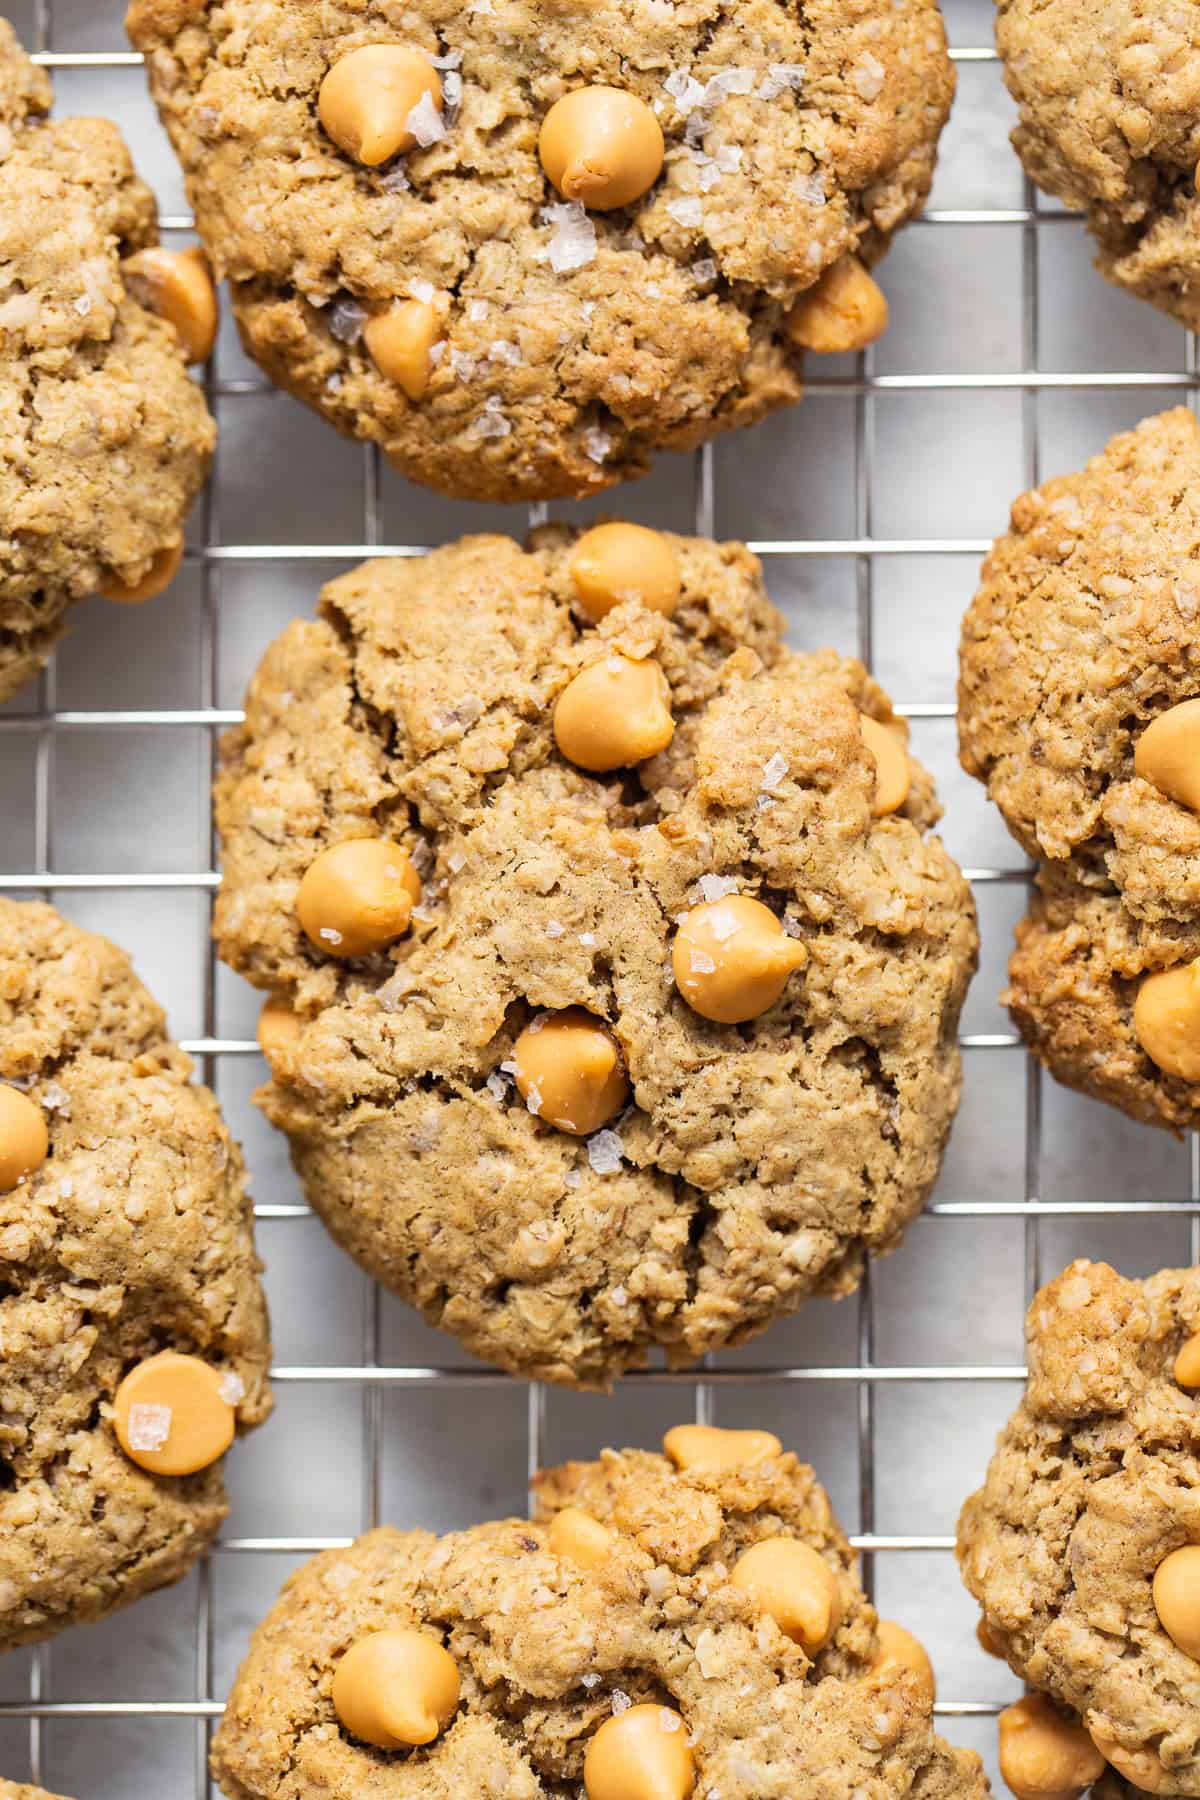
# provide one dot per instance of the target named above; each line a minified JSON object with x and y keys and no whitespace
{"x":373,"y":1376}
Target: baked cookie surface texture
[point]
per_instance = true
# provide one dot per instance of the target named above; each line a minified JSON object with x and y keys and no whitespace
{"x":16,"y":1790}
{"x":1081,"y":1546}
{"x":640,"y":1056}
{"x":1078,"y":699}
{"x":1109,"y":100}
{"x":615,"y":1636}
{"x":104,"y":440}
{"x":523,"y":245}
{"x":132,"y":1321}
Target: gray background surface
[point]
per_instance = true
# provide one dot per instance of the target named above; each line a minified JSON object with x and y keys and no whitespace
{"x":1007,"y":356}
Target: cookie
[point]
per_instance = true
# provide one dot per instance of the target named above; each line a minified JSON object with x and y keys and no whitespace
{"x":133,"y":1325}
{"x":1079,"y":1546}
{"x":15,"y":1790}
{"x":521,"y":246}
{"x":642,"y":1056}
{"x":1079,"y":688}
{"x":1109,"y":102}
{"x":104,"y":441}
{"x":632,"y":1629}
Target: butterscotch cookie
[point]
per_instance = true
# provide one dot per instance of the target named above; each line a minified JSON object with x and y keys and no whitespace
{"x":1081,"y":1546}
{"x":1079,"y":707}
{"x":1109,"y":102}
{"x":666,"y":1626}
{"x":616,"y":971}
{"x":15,"y":1790}
{"x":104,"y":441}
{"x":521,"y":246}
{"x":133,"y":1327}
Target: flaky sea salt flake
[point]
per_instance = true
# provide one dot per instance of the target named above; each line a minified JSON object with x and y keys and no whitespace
{"x":866,"y":78}
{"x":597,"y":444}
{"x":231,"y":1387}
{"x":426,"y":122}
{"x":149,"y":1426}
{"x":605,"y":1151}
{"x":779,"y":78}
{"x":497,"y":1087}
{"x":684,"y":90}
{"x":728,"y":81}
{"x":573,"y":240}
{"x":620,"y":1701}
{"x":687,"y":211}
{"x":773,"y":773}
{"x":716,"y":887}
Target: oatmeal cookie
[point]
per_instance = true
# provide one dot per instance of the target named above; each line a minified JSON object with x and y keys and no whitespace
{"x":1073,"y":1545}
{"x":1078,"y":695}
{"x":104,"y":441}
{"x":16,"y":1790}
{"x":1109,"y":100}
{"x":519,"y":305}
{"x":133,"y":1325}
{"x":624,"y":1605}
{"x":658,"y":1052}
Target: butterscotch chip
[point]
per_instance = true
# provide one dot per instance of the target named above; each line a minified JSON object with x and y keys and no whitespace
{"x":24,"y":1139}
{"x":178,"y":286}
{"x":396,"y":1688}
{"x":1044,"y":1753}
{"x":711,"y":1448}
{"x":732,"y":959}
{"x":642,"y":1751}
{"x":161,"y":573}
{"x":626,"y":218}
{"x":568,"y":1071}
{"x":900,"y":1650}
{"x":128,"y":1254}
{"x":791,"y":1582}
{"x":278,"y":1028}
{"x":368,"y":98}
{"x":636,"y":1675}
{"x":508,"y":1111}
{"x":845,"y":310}
{"x":614,"y":714}
{"x":602,"y":146}
{"x":357,"y":896}
{"x":172,"y":1416}
{"x":104,"y":440}
{"x":892,"y":778}
{"x":616,"y":562}
{"x":1078,"y":1538}
{"x":1075,"y":696}
{"x":1168,"y":753}
{"x":579,"y":1538}
{"x":1187,"y":1363}
{"x":400,"y":342}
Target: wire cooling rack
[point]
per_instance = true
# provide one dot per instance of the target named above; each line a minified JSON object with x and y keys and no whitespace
{"x":870,"y":505}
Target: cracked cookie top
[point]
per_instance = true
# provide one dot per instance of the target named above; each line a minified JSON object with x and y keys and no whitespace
{"x":129,"y":1234}
{"x":104,"y":441}
{"x":544,"y":347}
{"x":1078,"y":664}
{"x":552,"y":1652}
{"x":757,"y":1161}
{"x":1092,"y":1488}
{"x":1109,"y":102}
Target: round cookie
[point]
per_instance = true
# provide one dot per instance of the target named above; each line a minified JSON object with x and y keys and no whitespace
{"x":104,"y":441}
{"x":1081,"y":638}
{"x":757,"y":1162}
{"x":127,"y":1237}
{"x":16,"y":1790}
{"x":1109,"y":104}
{"x":554,"y":1648}
{"x":1094,"y":1483}
{"x":498,"y":338}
